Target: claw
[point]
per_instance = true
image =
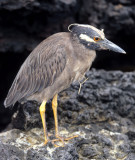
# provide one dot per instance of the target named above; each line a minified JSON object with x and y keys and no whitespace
{"x":58,"y":139}
{"x":68,"y":138}
{"x":61,"y":139}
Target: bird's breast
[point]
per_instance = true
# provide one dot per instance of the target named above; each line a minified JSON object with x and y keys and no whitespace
{"x":81,"y":66}
{"x":80,"y":71}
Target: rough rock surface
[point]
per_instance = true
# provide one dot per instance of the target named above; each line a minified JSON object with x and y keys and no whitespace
{"x":40,"y":19}
{"x":103,"y":114}
{"x":115,"y":16}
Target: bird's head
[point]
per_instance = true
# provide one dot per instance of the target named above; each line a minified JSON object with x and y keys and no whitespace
{"x":93,"y":38}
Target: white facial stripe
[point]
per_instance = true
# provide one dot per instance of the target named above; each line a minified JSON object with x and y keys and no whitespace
{"x":86,"y":38}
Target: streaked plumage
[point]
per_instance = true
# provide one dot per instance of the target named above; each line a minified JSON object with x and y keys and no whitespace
{"x":55,"y":63}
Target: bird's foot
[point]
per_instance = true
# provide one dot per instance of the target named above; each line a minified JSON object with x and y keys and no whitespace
{"x":61,"y":140}
{"x":58,"y":139}
{"x":46,"y":141}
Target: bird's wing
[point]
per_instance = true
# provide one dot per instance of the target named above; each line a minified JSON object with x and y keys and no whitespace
{"x":39,"y":71}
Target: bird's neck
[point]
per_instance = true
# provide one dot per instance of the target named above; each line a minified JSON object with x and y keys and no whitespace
{"x":81,"y":51}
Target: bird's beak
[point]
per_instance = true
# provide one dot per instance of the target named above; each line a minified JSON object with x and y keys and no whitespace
{"x":106,"y":44}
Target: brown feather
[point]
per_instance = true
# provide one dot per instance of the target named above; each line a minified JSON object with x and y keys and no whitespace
{"x":40,"y":69}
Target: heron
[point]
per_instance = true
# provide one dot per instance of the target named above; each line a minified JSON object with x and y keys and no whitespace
{"x":54,"y":65}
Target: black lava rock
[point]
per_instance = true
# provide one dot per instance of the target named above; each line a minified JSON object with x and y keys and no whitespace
{"x":102,"y":115}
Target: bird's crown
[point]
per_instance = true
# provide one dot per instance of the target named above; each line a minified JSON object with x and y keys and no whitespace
{"x":87,"y":33}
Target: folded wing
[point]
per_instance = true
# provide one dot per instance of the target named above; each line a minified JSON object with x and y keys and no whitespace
{"x":39,"y":71}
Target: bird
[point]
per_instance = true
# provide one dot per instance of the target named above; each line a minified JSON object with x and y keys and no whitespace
{"x":57,"y":62}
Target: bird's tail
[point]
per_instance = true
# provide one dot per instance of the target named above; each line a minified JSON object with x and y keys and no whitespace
{"x":12,"y":96}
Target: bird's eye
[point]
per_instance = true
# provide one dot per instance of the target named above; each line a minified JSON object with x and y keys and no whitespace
{"x":97,"y":39}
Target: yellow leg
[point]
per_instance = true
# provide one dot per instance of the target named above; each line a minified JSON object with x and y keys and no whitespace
{"x":42,"y":113}
{"x":54,"y":107}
